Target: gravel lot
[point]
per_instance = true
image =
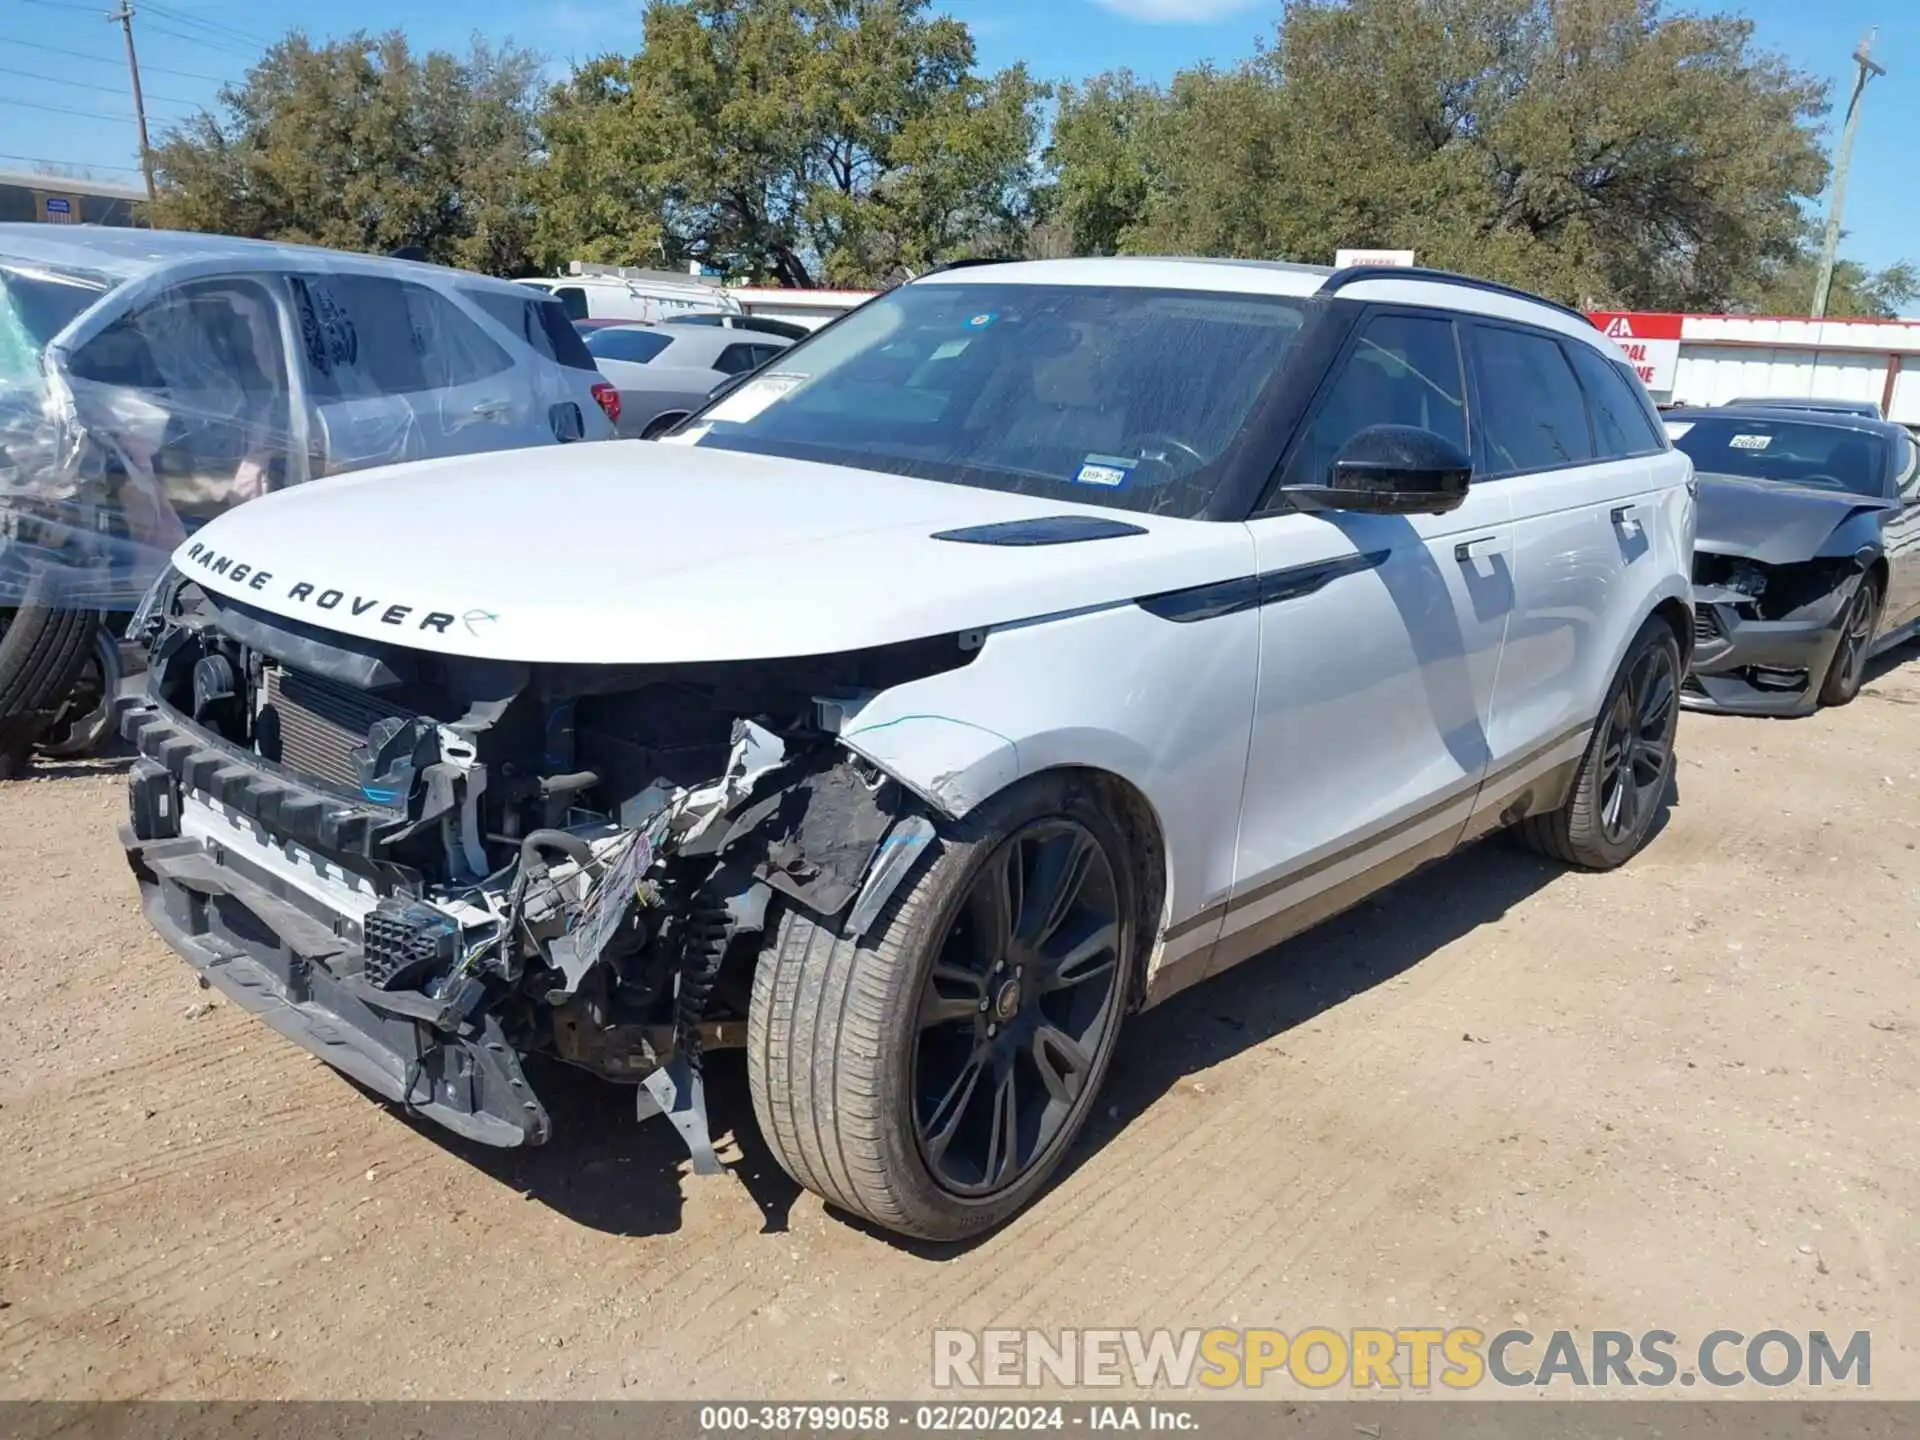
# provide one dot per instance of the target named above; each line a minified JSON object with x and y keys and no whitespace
{"x":1680,"y":1096}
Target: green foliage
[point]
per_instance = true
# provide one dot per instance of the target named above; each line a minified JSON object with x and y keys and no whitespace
{"x":1857,"y":292}
{"x":806,"y":140}
{"x":1599,"y":151}
{"x":361,"y":145}
{"x":1605,"y":152}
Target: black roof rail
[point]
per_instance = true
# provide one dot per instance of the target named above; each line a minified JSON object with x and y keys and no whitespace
{"x":964,"y":263}
{"x":1342,"y":278}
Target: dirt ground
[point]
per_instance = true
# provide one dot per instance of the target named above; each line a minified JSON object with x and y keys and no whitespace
{"x":1680,"y":1096}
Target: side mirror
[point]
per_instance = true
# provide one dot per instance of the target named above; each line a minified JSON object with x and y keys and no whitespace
{"x":1391,"y":470}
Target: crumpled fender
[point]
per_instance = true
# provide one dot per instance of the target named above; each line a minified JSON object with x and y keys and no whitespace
{"x":951,"y":764}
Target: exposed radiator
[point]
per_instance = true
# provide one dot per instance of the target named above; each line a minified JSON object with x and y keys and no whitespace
{"x":320,"y":723}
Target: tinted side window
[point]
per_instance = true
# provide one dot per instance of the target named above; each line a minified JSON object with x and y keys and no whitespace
{"x":1906,"y":473}
{"x":1533,"y":413}
{"x":736,"y":359}
{"x":1620,"y":424}
{"x":366,"y":334}
{"x":574,"y":300}
{"x":635,"y":346}
{"x":1405,"y":370}
{"x":209,"y":352}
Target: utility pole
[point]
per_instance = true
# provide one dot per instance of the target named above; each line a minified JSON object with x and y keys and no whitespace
{"x":125,"y":16}
{"x":1864,"y":69}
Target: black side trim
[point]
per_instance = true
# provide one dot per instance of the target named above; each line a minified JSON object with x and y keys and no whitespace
{"x":1248,"y":592}
{"x":1045,"y":530}
{"x":1490,"y":784}
{"x":1342,"y":278}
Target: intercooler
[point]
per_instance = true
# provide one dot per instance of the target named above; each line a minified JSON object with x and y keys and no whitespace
{"x":315,"y":726}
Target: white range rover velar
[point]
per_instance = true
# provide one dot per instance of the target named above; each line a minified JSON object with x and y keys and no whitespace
{"x":1033,"y":642}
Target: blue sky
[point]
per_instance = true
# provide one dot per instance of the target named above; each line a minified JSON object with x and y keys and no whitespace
{"x":66,"y":55}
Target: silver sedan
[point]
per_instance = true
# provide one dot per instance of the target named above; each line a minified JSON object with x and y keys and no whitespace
{"x":664,"y":372}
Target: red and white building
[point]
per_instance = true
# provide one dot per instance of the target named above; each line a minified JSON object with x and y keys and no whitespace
{"x":1711,"y":359}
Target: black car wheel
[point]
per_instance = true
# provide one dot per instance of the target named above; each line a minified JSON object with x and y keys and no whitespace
{"x":1621,"y":785}
{"x":931,"y":1074}
{"x":1849,"y":667}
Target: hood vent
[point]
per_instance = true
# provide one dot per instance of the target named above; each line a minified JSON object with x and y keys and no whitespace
{"x":1046,"y":530}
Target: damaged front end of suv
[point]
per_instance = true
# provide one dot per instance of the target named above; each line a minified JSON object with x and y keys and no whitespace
{"x":424,"y":867}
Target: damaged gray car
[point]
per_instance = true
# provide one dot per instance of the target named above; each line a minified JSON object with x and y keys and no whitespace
{"x":1805,"y":566}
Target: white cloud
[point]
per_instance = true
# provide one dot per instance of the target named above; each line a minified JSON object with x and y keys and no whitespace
{"x":1175,"y":12}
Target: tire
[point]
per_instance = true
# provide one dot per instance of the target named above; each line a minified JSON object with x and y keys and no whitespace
{"x":84,"y":721}
{"x":1587,"y":831}
{"x":43,"y":649}
{"x":1848,"y":669}
{"x":842,"y":1056}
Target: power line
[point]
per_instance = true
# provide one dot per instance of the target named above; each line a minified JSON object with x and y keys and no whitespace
{"x":105,"y":60}
{"x":42,"y":160}
{"x":83,"y":85}
{"x":225,"y":47}
{"x":65,"y":5}
{"x":216,"y":27}
{"x":59,"y":109}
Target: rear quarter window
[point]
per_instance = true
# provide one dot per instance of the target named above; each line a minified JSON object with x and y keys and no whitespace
{"x":539,"y":321}
{"x":636,"y":347}
{"x":1622,"y":423}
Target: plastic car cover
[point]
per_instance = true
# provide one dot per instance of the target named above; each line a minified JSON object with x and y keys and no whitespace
{"x":134,"y":410}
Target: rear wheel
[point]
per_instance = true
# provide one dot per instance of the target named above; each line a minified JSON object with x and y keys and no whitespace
{"x":1849,"y":668}
{"x":931,"y":1076}
{"x":85,"y":718}
{"x":1621,"y":785}
{"x":43,"y":648}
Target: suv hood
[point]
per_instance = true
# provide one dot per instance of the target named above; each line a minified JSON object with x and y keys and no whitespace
{"x":635,"y":552}
{"x":1769,"y":521}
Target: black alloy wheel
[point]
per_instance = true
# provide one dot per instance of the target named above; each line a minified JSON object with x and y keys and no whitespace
{"x":1856,"y":641}
{"x":1638,"y":740}
{"x":1018,"y":1008}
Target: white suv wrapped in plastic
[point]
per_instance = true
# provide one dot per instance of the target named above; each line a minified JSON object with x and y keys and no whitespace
{"x":151,"y":380}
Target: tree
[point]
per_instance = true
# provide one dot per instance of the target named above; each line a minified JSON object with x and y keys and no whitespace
{"x":1857,"y":291}
{"x":361,"y":145}
{"x":806,"y":140}
{"x":1600,"y":151}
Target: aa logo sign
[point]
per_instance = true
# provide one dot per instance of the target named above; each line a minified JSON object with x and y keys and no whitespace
{"x":1650,"y":342}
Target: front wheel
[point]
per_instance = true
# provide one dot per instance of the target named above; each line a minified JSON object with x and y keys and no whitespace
{"x":1622,"y":781}
{"x":931,"y":1075}
{"x":1849,"y":668}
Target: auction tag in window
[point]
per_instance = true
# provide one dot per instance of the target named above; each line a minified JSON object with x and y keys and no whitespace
{"x":1750,"y":442}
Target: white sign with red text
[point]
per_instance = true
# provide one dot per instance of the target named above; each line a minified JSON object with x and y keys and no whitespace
{"x":1650,"y":342}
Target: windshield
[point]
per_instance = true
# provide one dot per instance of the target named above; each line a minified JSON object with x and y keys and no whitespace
{"x":1827,"y":457}
{"x":1116,"y":396}
{"x":36,"y":305}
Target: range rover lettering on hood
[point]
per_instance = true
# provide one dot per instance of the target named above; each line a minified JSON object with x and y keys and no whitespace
{"x":315,"y":596}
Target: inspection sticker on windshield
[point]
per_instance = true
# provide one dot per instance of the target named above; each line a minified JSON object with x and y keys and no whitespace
{"x":1750,"y":442}
{"x":753,"y":397}
{"x":1110,"y":471}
